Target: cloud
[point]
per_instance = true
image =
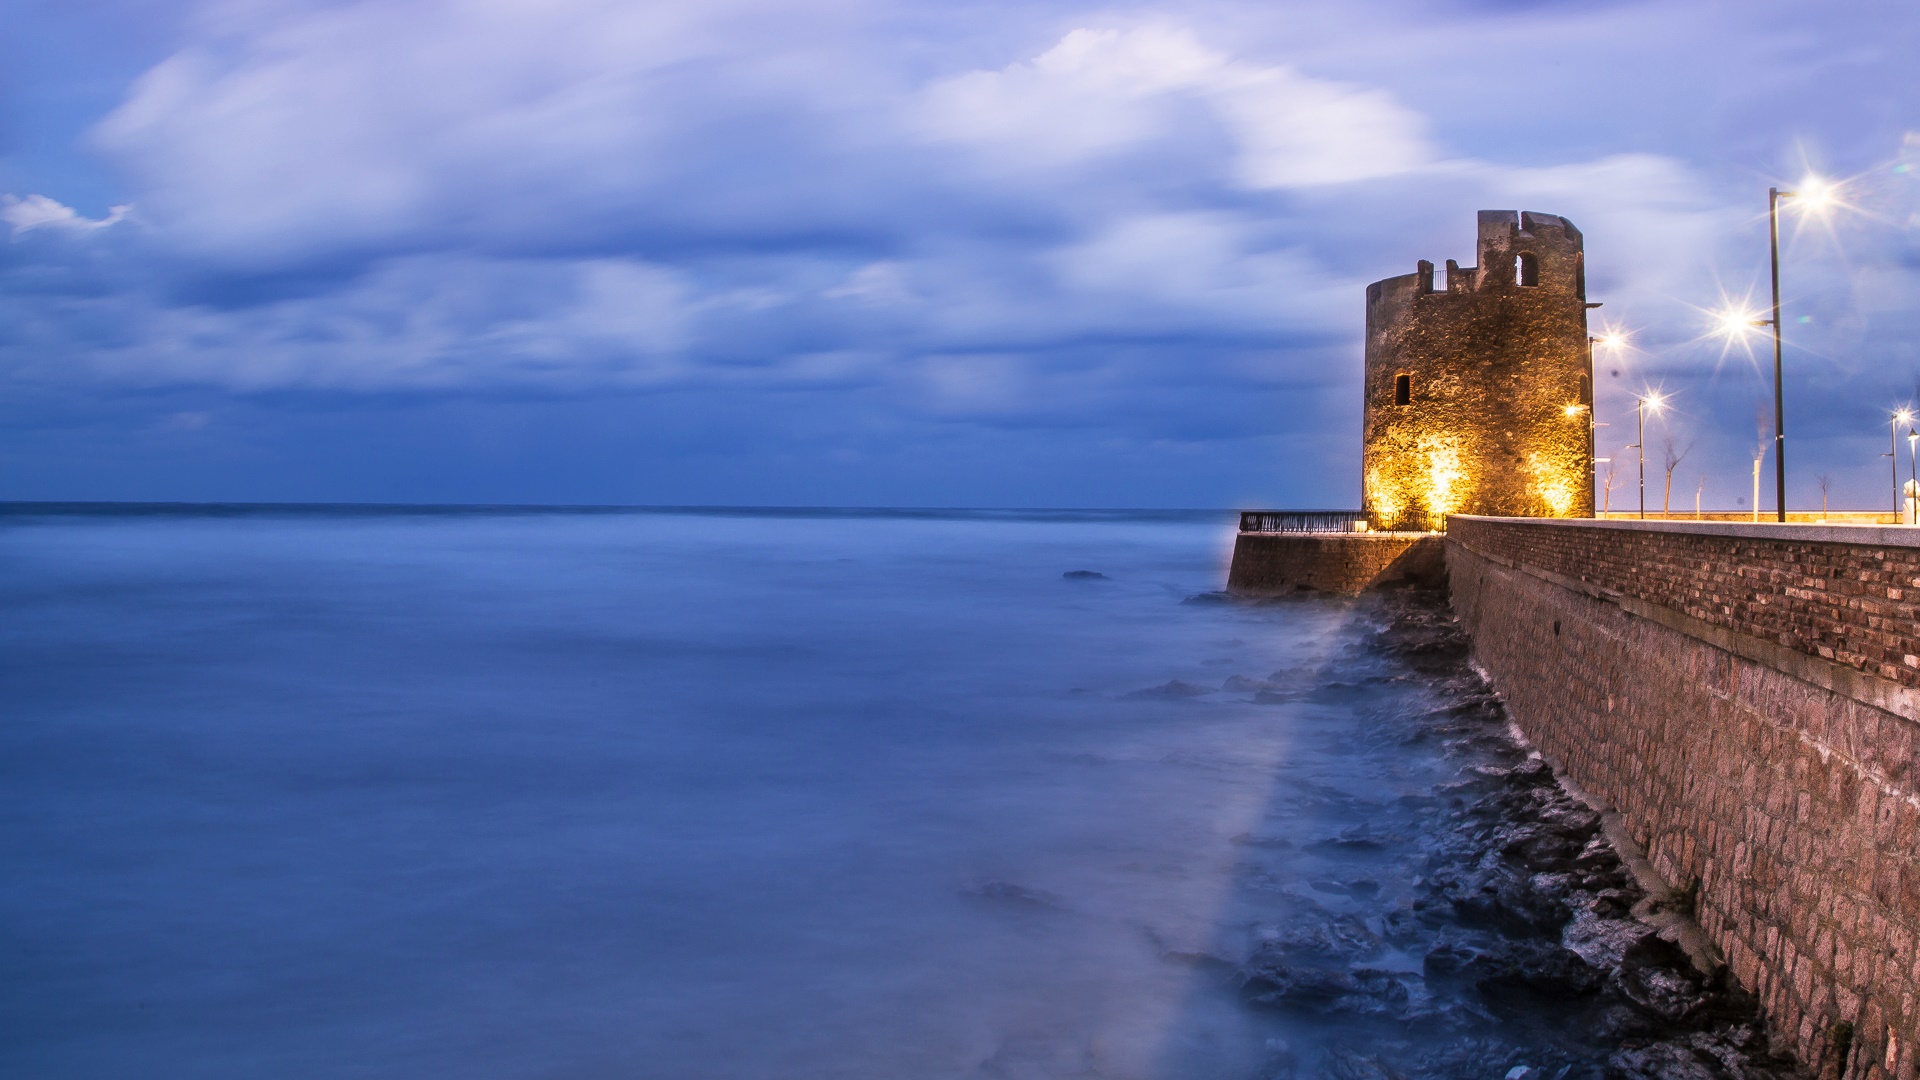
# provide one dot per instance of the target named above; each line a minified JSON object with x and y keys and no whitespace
{"x":361,"y":128}
{"x":411,"y":195}
{"x":40,"y":212}
{"x":1099,"y":91}
{"x":422,"y":323}
{"x":407,"y":196}
{"x":913,"y":218}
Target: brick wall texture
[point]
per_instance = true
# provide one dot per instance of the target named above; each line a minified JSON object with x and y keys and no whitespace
{"x":1664,"y":671}
{"x":1854,"y":604}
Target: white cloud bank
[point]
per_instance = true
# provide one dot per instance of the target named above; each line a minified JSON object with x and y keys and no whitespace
{"x":1100,"y":90}
{"x":411,"y":194}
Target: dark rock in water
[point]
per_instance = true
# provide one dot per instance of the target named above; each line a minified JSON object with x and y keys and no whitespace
{"x":1354,"y":992}
{"x":1536,"y":969}
{"x":1346,"y":1063}
{"x":1659,"y":1061}
{"x":1616,"y":1023}
{"x":1019,"y":895}
{"x":1341,"y":938}
{"x":1359,"y":837}
{"x":1172,"y":690}
{"x":1654,"y":974}
{"x":1085,"y":575}
{"x":1212,"y":598}
{"x":1542,"y":845}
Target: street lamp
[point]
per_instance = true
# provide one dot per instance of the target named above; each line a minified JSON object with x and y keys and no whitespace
{"x":1913,"y":439}
{"x":1641,"y":403}
{"x":1900,"y":416}
{"x":1613,"y":340}
{"x":1814,"y":194}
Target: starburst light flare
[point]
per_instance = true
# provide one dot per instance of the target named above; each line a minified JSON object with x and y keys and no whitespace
{"x":1737,"y":322}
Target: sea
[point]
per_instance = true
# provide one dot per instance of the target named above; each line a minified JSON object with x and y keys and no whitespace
{"x":409,"y":792}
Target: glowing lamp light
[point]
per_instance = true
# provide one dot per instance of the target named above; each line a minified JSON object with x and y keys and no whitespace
{"x":1611,"y":339}
{"x":1737,"y":322}
{"x":1815,"y":194}
{"x":1573,"y":410}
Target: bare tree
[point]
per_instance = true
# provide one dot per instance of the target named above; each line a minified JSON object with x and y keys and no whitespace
{"x":1826,"y":488}
{"x":1606,"y":491}
{"x":1672,"y":455}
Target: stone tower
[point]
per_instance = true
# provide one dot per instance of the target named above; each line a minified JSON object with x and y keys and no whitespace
{"x":1479,"y":384}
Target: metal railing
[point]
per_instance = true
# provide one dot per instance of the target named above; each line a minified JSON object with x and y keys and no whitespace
{"x":1303,"y":521}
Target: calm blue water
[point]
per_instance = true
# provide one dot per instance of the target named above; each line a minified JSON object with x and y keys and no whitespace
{"x":359,"y":794}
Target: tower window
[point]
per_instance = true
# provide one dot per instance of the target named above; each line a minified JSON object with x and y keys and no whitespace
{"x":1403,"y":389}
{"x":1526,"y":269}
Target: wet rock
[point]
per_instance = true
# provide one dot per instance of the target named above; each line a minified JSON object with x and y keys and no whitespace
{"x":1533,"y":969}
{"x":1354,"y":992}
{"x":1614,"y":1023}
{"x":1656,"y":976}
{"x":1359,"y":837}
{"x":1601,"y":940}
{"x":1212,"y":598}
{"x":1658,"y":1061}
{"x":1171,"y":690}
{"x":1401,"y":927}
{"x":1346,"y":1063}
{"x":1340,"y":938}
{"x":1085,"y":575}
{"x":1542,"y":845}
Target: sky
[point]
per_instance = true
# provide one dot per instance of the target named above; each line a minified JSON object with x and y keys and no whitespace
{"x":888,"y":253}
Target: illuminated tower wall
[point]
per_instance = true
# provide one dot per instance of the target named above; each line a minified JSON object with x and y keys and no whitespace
{"x":1479,"y":383}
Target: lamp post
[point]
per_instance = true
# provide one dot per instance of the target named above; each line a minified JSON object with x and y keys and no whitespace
{"x":1900,"y":416}
{"x":1814,"y":193}
{"x":1779,"y":405}
{"x":1641,"y":403}
{"x":1612,"y":340}
{"x":1913,"y":439}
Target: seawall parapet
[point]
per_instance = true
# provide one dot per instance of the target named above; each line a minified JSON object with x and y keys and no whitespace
{"x":1343,"y":564}
{"x":1747,"y":698}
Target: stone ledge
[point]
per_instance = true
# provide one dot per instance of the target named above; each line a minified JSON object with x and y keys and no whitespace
{"x":1902,"y":536}
{"x":1860,"y":686}
{"x":1343,"y":564}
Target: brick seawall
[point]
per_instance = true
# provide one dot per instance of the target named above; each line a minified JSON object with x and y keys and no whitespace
{"x":1748,"y":698}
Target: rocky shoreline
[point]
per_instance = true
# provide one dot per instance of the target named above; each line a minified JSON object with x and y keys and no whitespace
{"x":1540,"y":955}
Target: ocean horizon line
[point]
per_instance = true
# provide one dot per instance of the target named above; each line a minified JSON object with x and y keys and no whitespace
{"x":235,"y":508}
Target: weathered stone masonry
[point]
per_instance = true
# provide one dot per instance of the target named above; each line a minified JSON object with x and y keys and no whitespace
{"x":1282,"y":564}
{"x":1748,"y":697}
{"x":1478,"y":382}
